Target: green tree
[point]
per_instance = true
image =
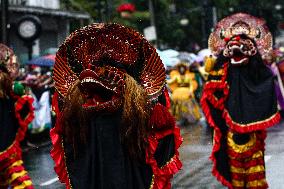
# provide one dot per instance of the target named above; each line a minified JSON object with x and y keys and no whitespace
{"x":168,"y":13}
{"x":271,"y":11}
{"x":105,"y":11}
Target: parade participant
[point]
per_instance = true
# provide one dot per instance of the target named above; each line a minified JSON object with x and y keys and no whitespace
{"x":39,"y":83}
{"x":276,"y":64}
{"x":113,"y":128}
{"x":239,"y":100}
{"x":183,"y":85}
{"x":16,"y":112}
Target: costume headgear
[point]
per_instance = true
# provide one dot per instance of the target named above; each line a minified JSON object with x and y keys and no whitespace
{"x":241,"y":24}
{"x":6,"y":57}
{"x":113,"y":45}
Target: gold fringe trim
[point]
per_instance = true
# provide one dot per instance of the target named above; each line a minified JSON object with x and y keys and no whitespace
{"x":257,"y":155}
{"x":24,"y":184}
{"x":252,"y":123}
{"x":241,"y":148}
{"x":237,"y":183}
{"x":152,"y":182}
{"x":14,"y":176}
{"x":255,"y":169}
{"x":257,"y":183}
{"x":217,"y":72}
{"x":16,"y":163}
{"x":214,"y":81}
{"x":66,"y":164}
{"x":168,"y":162}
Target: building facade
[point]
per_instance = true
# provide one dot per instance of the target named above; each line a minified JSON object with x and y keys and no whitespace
{"x":56,"y":24}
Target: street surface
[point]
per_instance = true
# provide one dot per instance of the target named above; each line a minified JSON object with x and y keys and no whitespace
{"x":194,"y":153}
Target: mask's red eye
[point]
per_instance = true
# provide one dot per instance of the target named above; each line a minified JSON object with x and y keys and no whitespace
{"x":237,"y":38}
{"x":226,"y":39}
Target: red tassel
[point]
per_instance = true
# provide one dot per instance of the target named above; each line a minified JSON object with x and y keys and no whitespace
{"x":226,"y":39}
{"x":168,"y":100}
{"x":23,"y":123}
{"x":161,"y":118}
{"x":54,"y":103}
{"x":57,"y":154}
{"x":163,"y":175}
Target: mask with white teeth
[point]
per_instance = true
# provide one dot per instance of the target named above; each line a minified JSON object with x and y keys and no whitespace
{"x":239,"y":49}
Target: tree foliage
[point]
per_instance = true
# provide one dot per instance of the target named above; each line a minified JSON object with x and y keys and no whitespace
{"x":169,"y":13}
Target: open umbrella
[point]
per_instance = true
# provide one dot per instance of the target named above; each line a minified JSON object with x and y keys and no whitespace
{"x":47,"y":60}
{"x":187,"y":57}
{"x":51,"y":50}
{"x":168,"y":57}
{"x":201,"y":54}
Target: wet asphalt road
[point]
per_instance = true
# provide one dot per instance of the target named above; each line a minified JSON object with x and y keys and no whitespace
{"x":40,"y":167}
{"x":194,"y":153}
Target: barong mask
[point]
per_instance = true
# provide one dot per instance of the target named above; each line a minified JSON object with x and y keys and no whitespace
{"x":6,"y":60}
{"x":100,"y":58}
{"x":239,"y":99}
{"x":105,"y":69}
{"x":239,"y":49}
{"x":240,"y":36}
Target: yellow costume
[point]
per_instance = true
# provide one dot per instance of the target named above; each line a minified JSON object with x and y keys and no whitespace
{"x":183,"y":84}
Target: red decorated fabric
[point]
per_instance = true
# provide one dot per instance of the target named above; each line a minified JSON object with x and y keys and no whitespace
{"x":161,"y":118}
{"x":168,"y":99}
{"x":161,"y":122}
{"x":57,"y":152}
{"x":23,"y":125}
{"x":162,"y":175}
{"x":259,"y":125}
{"x":54,"y":103}
{"x":217,"y":143}
{"x":14,"y":148}
{"x":23,"y":122}
{"x":10,"y":173}
{"x":208,"y":97}
{"x":221,"y":85}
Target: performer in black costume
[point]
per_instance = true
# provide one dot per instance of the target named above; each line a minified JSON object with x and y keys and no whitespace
{"x":16,"y":112}
{"x":113,"y":127}
{"x":239,"y":100}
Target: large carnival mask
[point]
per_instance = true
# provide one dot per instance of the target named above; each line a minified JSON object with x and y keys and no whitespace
{"x":239,"y":49}
{"x":100,"y":59}
{"x":9,"y":60}
{"x":6,"y":60}
{"x":240,"y":37}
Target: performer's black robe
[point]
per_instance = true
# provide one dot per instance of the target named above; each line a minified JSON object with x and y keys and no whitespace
{"x":8,"y":123}
{"x":250,"y":105}
{"x":104,"y":163}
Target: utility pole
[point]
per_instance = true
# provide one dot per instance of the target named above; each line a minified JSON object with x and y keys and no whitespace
{"x":152,"y":13}
{"x":99,"y":9}
{"x":108,"y":10}
{"x":152,"y":20}
{"x":209,"y":16}
{"x":4,"y":21}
